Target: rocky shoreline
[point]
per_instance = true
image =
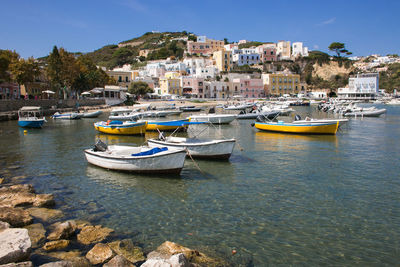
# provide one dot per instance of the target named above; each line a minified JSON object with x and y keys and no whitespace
{"x":33,"y":233}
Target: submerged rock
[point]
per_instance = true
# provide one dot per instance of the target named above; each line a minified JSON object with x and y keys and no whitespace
{"x":127,"y":249}
{"x":118,"y":261}
{"x":37,"y":233}
{"x":93,"y":234}
{"x":45,"y":214}
{"x":100,"y":253}
{"x":63,"y":231}
{"x":24,"y":195}
{"x":15,"y":245}
{"x":82,"y":223}
{"x":56,"y":245}
{"x":72,"y":256}
{"x":16,"y":217}
{"x":168,"y":249}
{"x":177,"y":260}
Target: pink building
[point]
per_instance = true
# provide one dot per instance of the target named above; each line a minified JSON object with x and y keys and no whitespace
{"x":248,"y":88}
{"x":267,"y":53}
{"x":193,"y":86}
{"x":9,"y":91}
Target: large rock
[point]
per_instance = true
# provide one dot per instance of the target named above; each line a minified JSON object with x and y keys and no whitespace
{"x":168,"y":249}
{"x":37,"y":233}
{"x":17,"y":217}
{"x":58,"y":264}
{"x":56,"y":245}
{"x":93,"y":234}
{"x":72,"y":256}
{"x":45,"y":214}
{"x":23,"y":195}
{"x":63,"y":231}
{"x":100,"y":253}
{"x":81,"y":223}
{"x":118,"y":261}
{"x":15,"y":245}
{"x":18,"y":264}
{"x":126,"y":249}
{"x":177,"y":260}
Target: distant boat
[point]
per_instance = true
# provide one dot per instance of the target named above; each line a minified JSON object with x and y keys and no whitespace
{"x":298,"y":120}
{"x":304,"y":128}
{"x":31,"y":117}
{"x":372,"y":112}
{"x":67,"y":116}
{"x":239,"y":106}
{"x":394,"y":101}
{"x":197,"y":148}
{"x":213,"y":118}
{"x":255,"y":113}
{"x":123,"y":114}
{"x":138,"y":159}
{"x":121,"y":128}
{"x":190,"y":109}
{"x":93,"y":114}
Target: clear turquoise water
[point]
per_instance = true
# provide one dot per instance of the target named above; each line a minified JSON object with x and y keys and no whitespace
{"x":281,"y":199}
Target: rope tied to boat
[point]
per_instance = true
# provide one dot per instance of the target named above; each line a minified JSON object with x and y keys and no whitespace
{"x":195,"y":163}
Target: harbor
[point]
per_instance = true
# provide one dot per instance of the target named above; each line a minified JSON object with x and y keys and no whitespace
{"x":280,"y":199}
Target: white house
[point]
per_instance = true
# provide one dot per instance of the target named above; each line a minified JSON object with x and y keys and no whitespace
{"x":299,"y":50}
{"x":361,"y":86}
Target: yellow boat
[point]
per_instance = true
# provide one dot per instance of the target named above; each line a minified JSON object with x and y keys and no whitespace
{"x":121,"y":128}
{"x":304,"y":128}
{"x":167,"y":125}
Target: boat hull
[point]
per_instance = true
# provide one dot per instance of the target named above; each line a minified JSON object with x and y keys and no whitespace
{"x":31,"y":123}
{"x":375,"y":113}
{"x":166,"y":163}
{"x":131,"y":129}
{"x":68,"y":116}
{"x":94,"y":114}
{"x":218,"y":119}
{"x":218,"y":149}
{"x":326,"y":128}
{"x":166,"y":125}
{"x":249,"y":116}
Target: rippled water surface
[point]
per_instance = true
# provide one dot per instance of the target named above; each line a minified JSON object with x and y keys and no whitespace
{"x":281,"y":199}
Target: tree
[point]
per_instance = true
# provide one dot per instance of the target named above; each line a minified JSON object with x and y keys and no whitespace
{"x":226,"y":79}
{"x":139,"y":88}
{"x":54,"y":68}
{"x":6,"y":57}
{"x":24,"y":71}
{"x":226,"y":41}
{"x":339,"y":48}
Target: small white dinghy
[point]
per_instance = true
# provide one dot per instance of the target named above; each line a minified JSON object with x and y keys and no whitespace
{"x":139,"y":159}
{"x":213,"y":118}
{"x":197,"y":148}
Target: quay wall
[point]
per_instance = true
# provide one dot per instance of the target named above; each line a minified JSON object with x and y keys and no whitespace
{"x":14,"y":105}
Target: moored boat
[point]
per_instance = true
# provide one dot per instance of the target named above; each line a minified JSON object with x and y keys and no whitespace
{"x":303,"y":128}
{"x":213,"y":118}
{"x":121,"y":128}
{"x":197,"y":148}
{"x":67,"y":116}
{"x":171,"y":125}
{"x":139,"y":159}
{"x":189,"y":108}
{"x":255,"y":113}
{"x":123,"y":114}
{"x":366,"y":113}
{"x":298,"y":120}
{"x":93,"y":114}
{"x":31,"y":117}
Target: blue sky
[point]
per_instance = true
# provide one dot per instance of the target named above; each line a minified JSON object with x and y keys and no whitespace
{"x":32,"y":27}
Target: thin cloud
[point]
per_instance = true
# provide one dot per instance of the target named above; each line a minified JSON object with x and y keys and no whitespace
{"x":135,"y":5}
{"x":327,"y":22}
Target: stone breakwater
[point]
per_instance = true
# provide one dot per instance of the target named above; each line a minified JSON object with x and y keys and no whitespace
{"x":33,"y":233}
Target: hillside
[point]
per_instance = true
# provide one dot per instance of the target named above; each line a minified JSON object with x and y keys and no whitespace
{"x":158,"y":46}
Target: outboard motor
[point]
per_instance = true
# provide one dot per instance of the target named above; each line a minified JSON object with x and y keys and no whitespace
{"x":212,"y":110}
{"x":260,"y":118}
{"x":297,"y":118}
{"x":241,"y":112}
{"x":100,"y":146}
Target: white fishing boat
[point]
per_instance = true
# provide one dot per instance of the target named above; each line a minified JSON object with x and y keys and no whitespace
{"x":370,"y":112}
{"x":93,"y":114}
{"x":31,"y":117}
{"x":139,"y":159}
{"x":239,"y":106}
{"x":67,"y":116}
{"x":123,"y":114}
{"x":213,"y":118}
{"x":197,"y":148}
{"x":394,"y":101}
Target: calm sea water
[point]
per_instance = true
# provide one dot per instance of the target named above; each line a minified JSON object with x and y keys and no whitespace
{"x":281,"y":199}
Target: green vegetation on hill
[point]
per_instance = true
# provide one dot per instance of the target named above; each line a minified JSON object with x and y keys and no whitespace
{"x":250,"y":44}
{"x":162,"y":45}
{"x":390,"y":79}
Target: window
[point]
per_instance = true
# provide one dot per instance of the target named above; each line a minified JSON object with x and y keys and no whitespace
{"x":119,"y":78}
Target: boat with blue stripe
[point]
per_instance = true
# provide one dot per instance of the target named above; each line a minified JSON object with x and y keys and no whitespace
{"x":31,"y":117}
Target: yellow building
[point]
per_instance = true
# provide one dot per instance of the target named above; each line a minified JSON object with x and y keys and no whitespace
{"x":123,"y":78}
{"x":171,"y":84}
{"x":278,"y":84}
{"x":223,"y":60}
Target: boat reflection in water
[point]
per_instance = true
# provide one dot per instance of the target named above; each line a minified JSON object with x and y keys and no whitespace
{"x":120,"y":139}
{"x":281,"y":141}
{"x":164,"y":186}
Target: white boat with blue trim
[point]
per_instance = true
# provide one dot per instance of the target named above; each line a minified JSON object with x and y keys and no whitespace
{"x":31,"y":117}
